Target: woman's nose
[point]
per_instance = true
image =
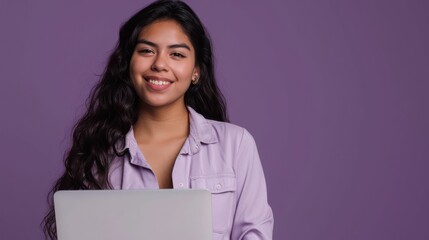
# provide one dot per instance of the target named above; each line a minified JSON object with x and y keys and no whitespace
{"x":159,"y":64}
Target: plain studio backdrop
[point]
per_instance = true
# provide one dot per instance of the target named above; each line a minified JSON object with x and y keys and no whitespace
{"x":335,"y":93}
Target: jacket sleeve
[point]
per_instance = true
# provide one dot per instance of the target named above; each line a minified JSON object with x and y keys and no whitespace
{"x":253,"y":218}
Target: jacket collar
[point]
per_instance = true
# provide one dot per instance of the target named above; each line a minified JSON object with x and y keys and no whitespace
{"x":201,"y":131}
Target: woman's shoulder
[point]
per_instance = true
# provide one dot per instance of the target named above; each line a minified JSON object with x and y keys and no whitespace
{"x":231,"y":128}
{"x":233,"y":135}
{"x":221,"y":131}
{"x":231,"y":131}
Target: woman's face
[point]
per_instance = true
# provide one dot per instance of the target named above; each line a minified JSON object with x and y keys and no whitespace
{"x":163,"y":64}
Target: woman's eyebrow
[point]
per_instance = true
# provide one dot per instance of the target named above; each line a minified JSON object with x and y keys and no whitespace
{"x":178,"y":45}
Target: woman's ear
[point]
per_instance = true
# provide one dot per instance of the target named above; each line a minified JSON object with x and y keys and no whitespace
{"x":197,"y":71}
{"x":196,"y":76}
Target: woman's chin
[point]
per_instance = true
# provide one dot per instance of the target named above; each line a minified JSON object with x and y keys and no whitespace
{"x":163,"y":103}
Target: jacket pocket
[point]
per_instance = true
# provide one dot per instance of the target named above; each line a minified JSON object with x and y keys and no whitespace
{"x":222,"y":189}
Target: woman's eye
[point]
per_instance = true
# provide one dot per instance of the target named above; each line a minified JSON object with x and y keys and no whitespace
{"x":178,"y":55}
{"x":145,"y":51}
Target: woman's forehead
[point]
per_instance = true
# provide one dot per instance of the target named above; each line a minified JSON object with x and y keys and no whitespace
{"x":164,"y":32}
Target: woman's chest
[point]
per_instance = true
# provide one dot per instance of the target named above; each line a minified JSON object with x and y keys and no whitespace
{"x":212,"y":172}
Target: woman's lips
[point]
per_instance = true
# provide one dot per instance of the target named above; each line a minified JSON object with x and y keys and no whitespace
{"x":157,"y":83}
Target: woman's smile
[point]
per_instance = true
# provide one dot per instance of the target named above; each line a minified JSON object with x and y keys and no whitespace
{"x":158,"y":83}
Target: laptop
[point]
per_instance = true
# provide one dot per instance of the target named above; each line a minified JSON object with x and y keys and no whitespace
{"x":133,"y":214}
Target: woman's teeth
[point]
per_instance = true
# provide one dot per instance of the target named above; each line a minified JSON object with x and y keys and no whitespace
{"x":156,"y":82}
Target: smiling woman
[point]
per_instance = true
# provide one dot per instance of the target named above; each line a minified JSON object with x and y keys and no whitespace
{"x":158,"y":120}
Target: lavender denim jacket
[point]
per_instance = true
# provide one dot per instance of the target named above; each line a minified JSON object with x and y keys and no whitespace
{"x":217,"y":156}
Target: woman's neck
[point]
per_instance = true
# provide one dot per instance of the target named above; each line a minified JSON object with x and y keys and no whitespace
{"x":160,"y":124}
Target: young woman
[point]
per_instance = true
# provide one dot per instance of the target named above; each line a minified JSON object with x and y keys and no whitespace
{"x":158,"y":120}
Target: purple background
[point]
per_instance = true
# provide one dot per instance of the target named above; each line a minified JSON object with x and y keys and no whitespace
{"x":335,"y":93}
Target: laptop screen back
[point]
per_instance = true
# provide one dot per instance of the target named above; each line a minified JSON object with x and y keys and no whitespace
{"x":133,"y":214}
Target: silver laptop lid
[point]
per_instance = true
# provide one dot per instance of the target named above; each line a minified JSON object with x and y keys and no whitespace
{"x":133,"y":214}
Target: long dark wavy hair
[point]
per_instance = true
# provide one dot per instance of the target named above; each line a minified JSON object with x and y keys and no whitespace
{"x":112,"y":107}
